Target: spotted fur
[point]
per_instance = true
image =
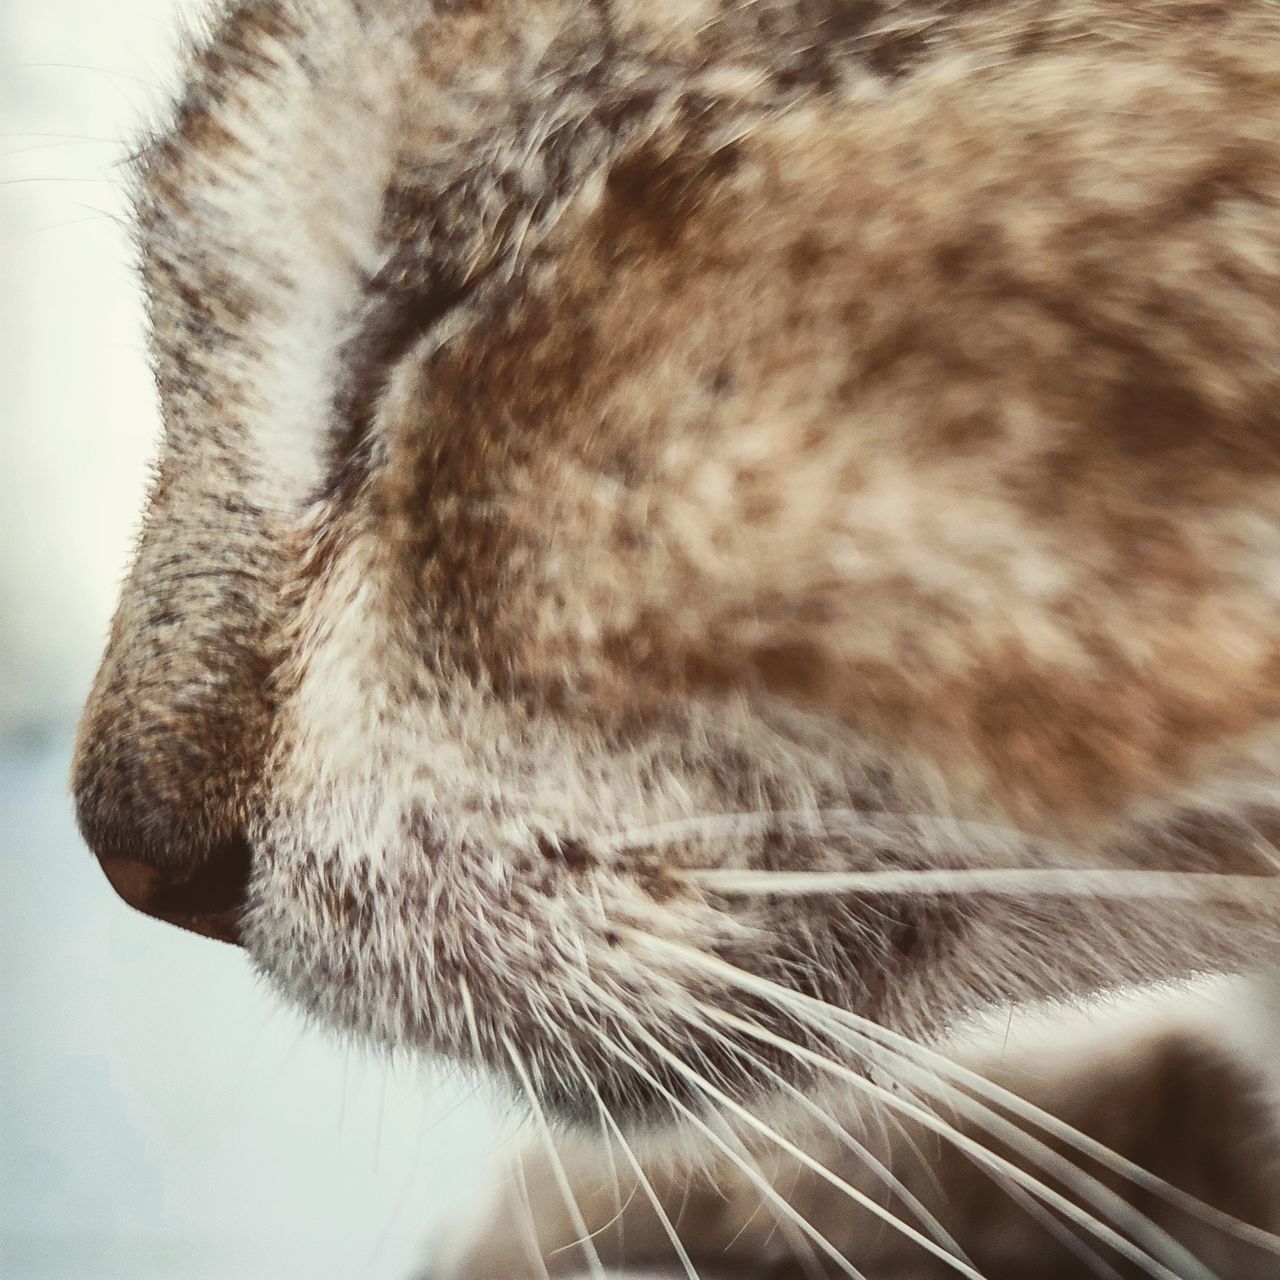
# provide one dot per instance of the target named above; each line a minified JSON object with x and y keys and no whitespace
{"x":583,"y":419}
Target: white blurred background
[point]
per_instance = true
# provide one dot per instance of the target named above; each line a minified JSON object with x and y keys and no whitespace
{"x":160,"y":1114}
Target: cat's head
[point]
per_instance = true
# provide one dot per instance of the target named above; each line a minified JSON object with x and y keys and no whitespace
{"x":611,"y":454}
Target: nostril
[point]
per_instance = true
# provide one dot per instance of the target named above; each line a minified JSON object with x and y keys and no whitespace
{"x":207,"y":899}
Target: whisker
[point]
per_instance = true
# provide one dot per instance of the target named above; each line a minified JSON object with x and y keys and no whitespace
{"x":1060,"y":1230}
{"x":13,"y":136}
{"x":803,"y":1158}
{"x":57,"y":144}
{"x":859,"y":1150}
{"x":801,"y":1245}
{"x":1037,"y":1116}
{"x":52,"y":178}
{"x":642,"y":1179}
{"x":76,"y":66}
{"x":757,"y":1179}
{"x":1052,"y":882}
{"x":989,"y":1159}
{"x":530,"y":1229}
{"x":597,"y":1232}
{"x":1033,"y":1207}
{"x":797,"y":1153}
{"x":1088,"y":1146}
{"x":1029,"y":1203}
{"x":574,"y":1210}
{"x":806,"y":1257}
{"x":786,"y":997}
{"x":1045,"y":1158}
{"x":620,"y":1206}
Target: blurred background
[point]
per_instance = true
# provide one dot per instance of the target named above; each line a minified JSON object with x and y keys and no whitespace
{"x":161,"y":1115}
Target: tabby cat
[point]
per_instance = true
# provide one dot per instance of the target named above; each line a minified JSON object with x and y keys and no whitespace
{"x":701,"y":545}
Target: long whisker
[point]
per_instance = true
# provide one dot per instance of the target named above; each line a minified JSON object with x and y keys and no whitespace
{"x":816,"y":1166}
{"x":860,"y":1150}
{"x":1070,"y":1240}
{"x":596,"y":1233}
{"x":762,"y":1184}
{"x":574,"y":1210}
{"x":642,"y":1179}
{"x":802,"y":1248}
{"x":1091,"y":1147}
{"x":663,"y":1217}
{"x":529,"y":1227}
{"x":805,"y":1159}
{"x":1018,"y":882}
{"x":1027,"y":1111}
{"x":620,"y":1206}
{"x":786,"y":997}
{"x":1029,"y":1203}
{"x":865,"y":1156}
{"x":805,"y":1255}
{"x":999,"y":1125}
{"x":944,"y":1240}
{"x":1060,"y":1230}
{"x":1049,"y":1161}
{"x":1135,"y":1253}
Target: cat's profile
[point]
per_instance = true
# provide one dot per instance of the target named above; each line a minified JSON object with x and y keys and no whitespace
{"x":698,"y":545}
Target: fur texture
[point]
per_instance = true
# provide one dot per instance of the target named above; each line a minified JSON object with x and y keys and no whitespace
{"x":610,"y":442}
{"x":1127,"y":1085}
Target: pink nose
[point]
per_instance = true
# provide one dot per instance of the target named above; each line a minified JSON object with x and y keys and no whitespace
{"x":208,"y":900}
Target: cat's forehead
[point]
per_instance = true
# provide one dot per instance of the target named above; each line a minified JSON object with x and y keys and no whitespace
{"x":335,"y":178}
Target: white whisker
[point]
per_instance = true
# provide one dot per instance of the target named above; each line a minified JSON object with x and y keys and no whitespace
{"x":1038,"y":1116}
{"x":862,"y":1153}
{"x":1054,"y":882}
{"x":529,"y":1227}
{"x":642,"y":1179}
{"x":860,"y":1198}
{"x":757,"y":1179}
{"x":801,"y":1246}
{"x":574,"y":1210}
{"x":1121,"y":1211}
{"x":1060,"y":1230}
{"x":859,"y":1149}
{"x":984,"y":1156}
{"x":785,"y":997}
{"x":1030,"y":1205}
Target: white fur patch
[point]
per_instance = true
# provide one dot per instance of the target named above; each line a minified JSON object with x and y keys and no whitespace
{"x":297,"y":208}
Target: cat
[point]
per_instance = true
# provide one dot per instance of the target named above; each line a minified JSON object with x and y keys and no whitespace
{"x":701,"y":545}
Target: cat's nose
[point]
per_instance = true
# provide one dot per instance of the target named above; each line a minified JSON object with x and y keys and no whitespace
{"x":204,"y":893}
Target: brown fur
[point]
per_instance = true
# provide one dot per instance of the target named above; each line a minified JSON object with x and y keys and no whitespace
{"x":583,"y":420}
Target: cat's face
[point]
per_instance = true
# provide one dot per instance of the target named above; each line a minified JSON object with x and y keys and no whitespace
{"x":607,"y":449}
